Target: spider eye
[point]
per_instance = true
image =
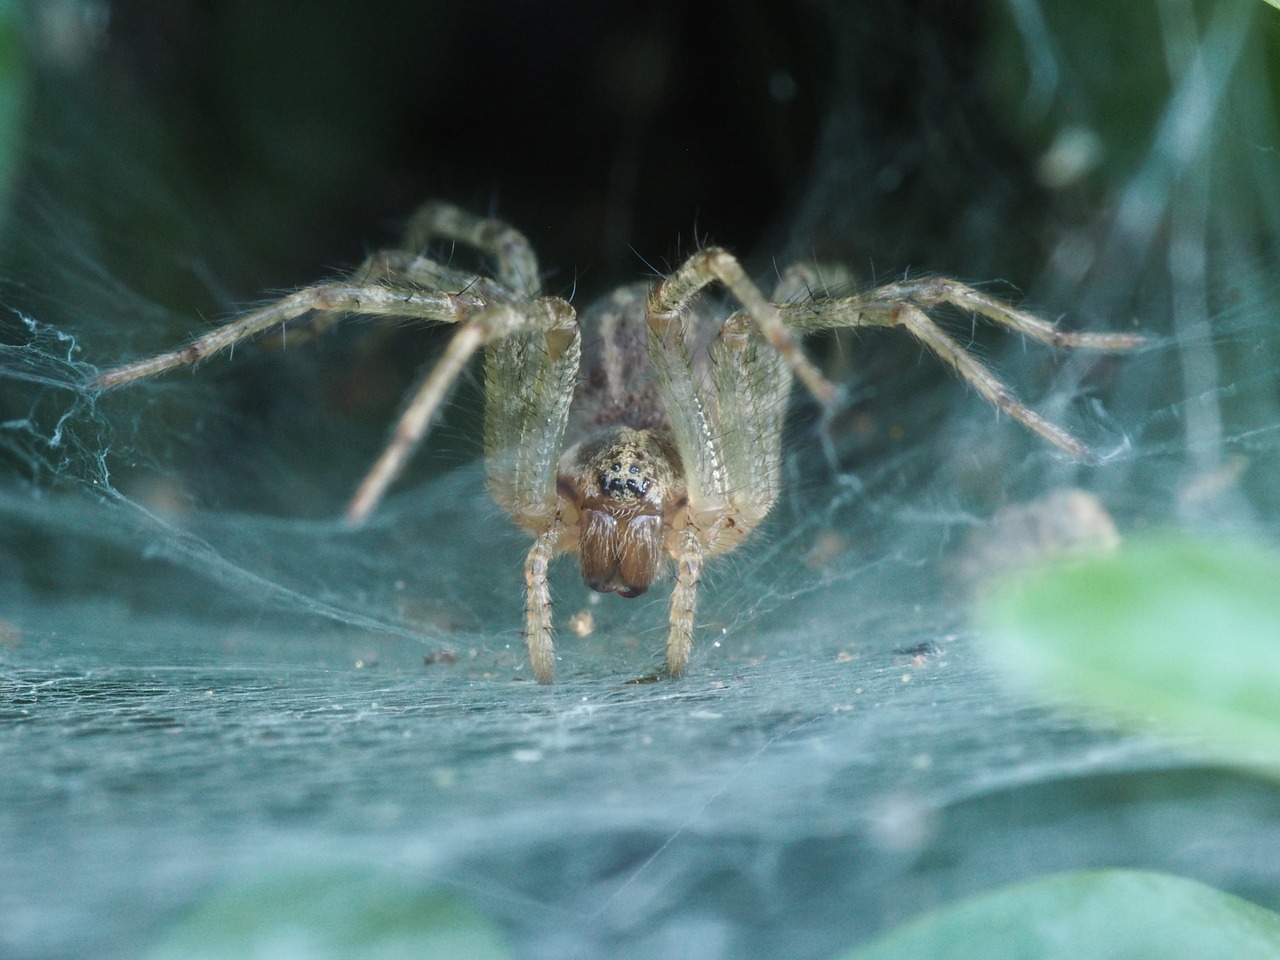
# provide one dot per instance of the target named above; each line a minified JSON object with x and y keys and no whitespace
{"x":614,"y":484}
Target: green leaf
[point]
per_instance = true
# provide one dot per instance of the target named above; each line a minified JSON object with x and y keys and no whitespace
{"x":338,"y":915}
{"x":1115,"y":914}
{"x":1180,"y":632}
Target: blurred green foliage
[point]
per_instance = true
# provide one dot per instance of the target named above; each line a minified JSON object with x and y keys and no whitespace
{"x":342,"y":914}
{"x":1113,"y":914}
{"x":1178,"y":632}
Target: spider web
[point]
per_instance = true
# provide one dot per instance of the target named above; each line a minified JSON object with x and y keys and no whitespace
{"x":204,"y":674}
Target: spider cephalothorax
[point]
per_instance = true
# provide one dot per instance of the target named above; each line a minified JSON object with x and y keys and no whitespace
{"x":665,"y":449}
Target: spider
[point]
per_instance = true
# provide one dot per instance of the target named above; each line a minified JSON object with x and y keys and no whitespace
{"x":657,"y":437}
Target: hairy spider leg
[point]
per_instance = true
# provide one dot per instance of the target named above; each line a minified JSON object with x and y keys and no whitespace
{"x":684,"y":598}
{"x":715,"y":264}
{"x":727,"y":429}
{"x":730,"y":446}
{"x":515,"y":262}
{"x":516,"y":265}
{"x":933,"y":291}
{"x":336,"y":298}
{"x":893,"y":306}
{"x":513,"y":256}
{"x":401,"y":270}
{"x":753,"y":386}
{"x":407,"y":268}
{"x":916,"y":322}
{"x":538,"y":635}
{"x":484,"y":327}
{"x":529,"y":382}
{"x":811,"y":281}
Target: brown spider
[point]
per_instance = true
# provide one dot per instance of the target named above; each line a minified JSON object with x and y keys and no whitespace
{"x":668,"y":444}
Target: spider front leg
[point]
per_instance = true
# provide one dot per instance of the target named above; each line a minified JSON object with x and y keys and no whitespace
{"x":531,"y":365}
{"x":713,"y":265}
{"x":530,"y":376}
{"x":727,"y":427}
{"x":550,"y":317}
{"x":739,"y":458}
{"x":683,"y":602}
{"x":538,"y":634}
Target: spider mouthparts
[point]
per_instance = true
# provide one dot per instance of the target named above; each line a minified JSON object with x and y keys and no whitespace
{"x":616,"y":585}
{"x":620,"y":550}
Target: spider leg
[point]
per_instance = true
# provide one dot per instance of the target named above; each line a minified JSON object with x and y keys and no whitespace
{"x":918,"y":324}
{"x":890,"y":306}
{"x":713,"y":264}
{"x":728,"y":427}
{"x":513,"y":256}
{"x":484,"y":327}
{"x":529,"y":382}
{"x":931,"y":292}
{"x":752,"y":385}
{"x":683,"y":602}
{"x":400,"y":269}
{"x":697,"y":437}
{"x":726,"y":422}
{"x":537,"y":611}
{"x":811,"y":281}
{"x":730,"y":446}
{"x":404,"y":268}
{"x":333,"y":298}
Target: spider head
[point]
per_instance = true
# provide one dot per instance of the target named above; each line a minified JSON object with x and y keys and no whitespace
{"x":623,"y":486}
